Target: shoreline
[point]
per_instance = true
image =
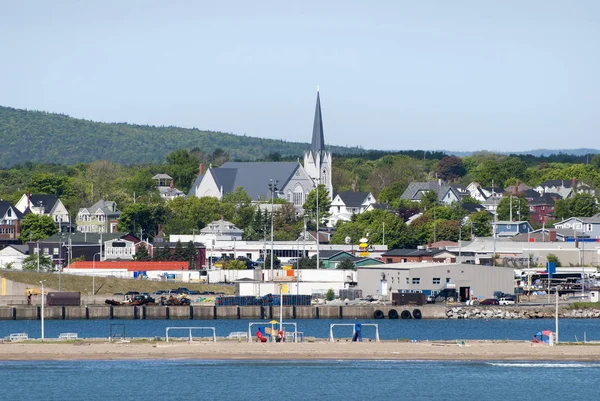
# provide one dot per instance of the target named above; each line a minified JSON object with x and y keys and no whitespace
{"x":475,"y":350}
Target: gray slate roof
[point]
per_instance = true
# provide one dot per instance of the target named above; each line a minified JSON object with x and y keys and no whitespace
{"x":254,"y":176}
{"x":4,"y":205}
{"x":109,"y":208}
{"x":415,"y":190}
{"x":353,"y":199}
{"x":48,"y":201}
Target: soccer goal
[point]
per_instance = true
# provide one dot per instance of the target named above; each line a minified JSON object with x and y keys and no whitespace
{"x":357,"y":330}
{"x":190,"y":330}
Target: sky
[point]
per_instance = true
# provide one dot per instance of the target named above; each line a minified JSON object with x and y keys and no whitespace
{"x":497,"y":75}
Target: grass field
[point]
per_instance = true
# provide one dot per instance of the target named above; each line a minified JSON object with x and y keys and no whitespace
{"x":103,"y":285}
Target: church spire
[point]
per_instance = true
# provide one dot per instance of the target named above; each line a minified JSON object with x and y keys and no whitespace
{"x":318,"y":140}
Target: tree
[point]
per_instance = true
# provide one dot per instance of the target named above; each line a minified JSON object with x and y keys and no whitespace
{"x":51,"y":184}
{"x":276,"y":261}
{"x":346,"y":264}
{"x":31,"y":262}
{"x":580,"y":205}
{"x":450,"y":168}
{"x":310,"y":205}
{"x":309,"y":263}
{"x":182,"y":166}
{"x":36,"y":227}
{"x":480,"y":224}
{"x":179,"y":253}
{"x":190,"y":255}
{"x":144,"y":217}
{"x":330,"y":296}
{"x":552,"y":258}
{"x":142,"y":253}
{"x":236,"y":265}
{"x":520,"y":208}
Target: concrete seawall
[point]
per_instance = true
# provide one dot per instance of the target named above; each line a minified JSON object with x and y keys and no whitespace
{"x":96,"y":312}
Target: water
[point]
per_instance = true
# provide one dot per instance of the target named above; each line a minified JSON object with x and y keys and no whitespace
{"x":446,"y":329}
{"x":297,"y":380}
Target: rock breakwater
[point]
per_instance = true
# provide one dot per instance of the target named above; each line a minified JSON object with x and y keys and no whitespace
{"x":518,"y":312}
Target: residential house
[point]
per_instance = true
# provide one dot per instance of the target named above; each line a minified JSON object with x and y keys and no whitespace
{"x":512,"y":228}
{"x":64,"y":247}
{"x":332,"y":258}
{"x":166,"y":187}
{"x":418,"y":255}
{"x":548,"y":235}
{"x":292,"y":180}
{"x":446,"y":194}
{"x":541,"y":208}
{"x":10,"y":221}
{"x":46,"y":205}
{"x":348,"y":203}
{"x":13,"y":256}
{"x":481,"y":194}
{"x":589,"y":226}
{"x":101,"y":217}
{"x":565,"y":188}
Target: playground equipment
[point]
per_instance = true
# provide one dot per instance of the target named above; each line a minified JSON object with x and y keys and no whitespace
{"x":277,"y":330}
{"x":190,"y":338}
{"x":357,"y":332}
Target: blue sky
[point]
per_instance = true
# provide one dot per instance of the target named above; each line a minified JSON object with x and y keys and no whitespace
{"x":459,"y":75}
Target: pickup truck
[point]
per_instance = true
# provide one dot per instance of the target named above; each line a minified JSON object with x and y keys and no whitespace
{"x":506,"y":301}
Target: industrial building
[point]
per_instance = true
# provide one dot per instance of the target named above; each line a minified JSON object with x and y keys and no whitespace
{"x":471,"y":281}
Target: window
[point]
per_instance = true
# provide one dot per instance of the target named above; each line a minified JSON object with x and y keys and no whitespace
{"x":416,"y":280}
{"x":407,"y":280}
{"x":437,"y":280}
{"x":589,"y":227}
{"x":388,"y":260}
{"x":447,"y":280}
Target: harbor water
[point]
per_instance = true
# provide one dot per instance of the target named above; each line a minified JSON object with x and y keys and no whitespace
{"x":443,"y":329}
{"x":297,"y":380}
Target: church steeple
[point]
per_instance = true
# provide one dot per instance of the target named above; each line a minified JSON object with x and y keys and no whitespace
{"x":317,"y":147}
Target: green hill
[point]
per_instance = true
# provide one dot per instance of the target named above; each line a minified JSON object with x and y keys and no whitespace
{"x":35,"y":136}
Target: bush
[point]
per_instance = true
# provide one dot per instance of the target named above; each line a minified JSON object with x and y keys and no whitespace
{"x":330,"y":294}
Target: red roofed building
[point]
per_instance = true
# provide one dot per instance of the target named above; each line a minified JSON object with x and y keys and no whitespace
{"x":131,"y":265}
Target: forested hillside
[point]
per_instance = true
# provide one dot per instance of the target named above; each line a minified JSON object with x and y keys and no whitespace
{"x":34,"y":136}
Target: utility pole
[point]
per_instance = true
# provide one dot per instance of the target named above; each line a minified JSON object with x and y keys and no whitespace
{"x":273,"y":188}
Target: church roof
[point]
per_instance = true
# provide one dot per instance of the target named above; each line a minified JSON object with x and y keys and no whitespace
{"x":318,"y":139}
{"x":253,"y":176}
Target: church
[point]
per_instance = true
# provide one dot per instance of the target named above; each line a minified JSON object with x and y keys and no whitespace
{"x":294,"y":181}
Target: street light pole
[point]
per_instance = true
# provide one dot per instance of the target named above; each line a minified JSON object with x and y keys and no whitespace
{"x":43,"y":302}
{"x":94,"y":273}
{"x":317,"y":233}
{"x":273,"y":188}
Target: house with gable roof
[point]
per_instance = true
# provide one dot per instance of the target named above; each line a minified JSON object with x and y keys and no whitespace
{"x":348,"y":203}
{"x":10,"y":221}
{"x":294,"y":180}
{"x":588,"y":226}
{"x":166,"y":187}
{"x":45,"y":205}
{"x":101,"y":217}
{"x":446,"y":194}
{"x":565,"y":188}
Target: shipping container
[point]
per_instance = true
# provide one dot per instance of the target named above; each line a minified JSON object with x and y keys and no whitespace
{"x":63,"y":298}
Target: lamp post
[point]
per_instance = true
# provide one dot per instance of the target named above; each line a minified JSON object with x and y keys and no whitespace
{"x":272,"y":188}
{"x":94,"y":273}
{"x":556,"y":315}
{"x":317,"y":233}
{"x":43,"y":302}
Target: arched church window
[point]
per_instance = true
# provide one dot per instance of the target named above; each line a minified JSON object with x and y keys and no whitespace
{"x":289,"y":196}
{"x":298,"y":199}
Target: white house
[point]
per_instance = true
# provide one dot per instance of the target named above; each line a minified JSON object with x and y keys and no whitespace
{"x":46,"y":205}
{"x":346,"y":204}
{"x":13,"y":256}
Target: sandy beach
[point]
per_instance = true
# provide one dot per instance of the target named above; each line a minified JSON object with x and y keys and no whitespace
{"x":469,"y":350}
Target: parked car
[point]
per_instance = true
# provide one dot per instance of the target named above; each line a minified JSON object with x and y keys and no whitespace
{"x":506,"y":301}
{"x":489,"y":301}
{"x":132,"y":293}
